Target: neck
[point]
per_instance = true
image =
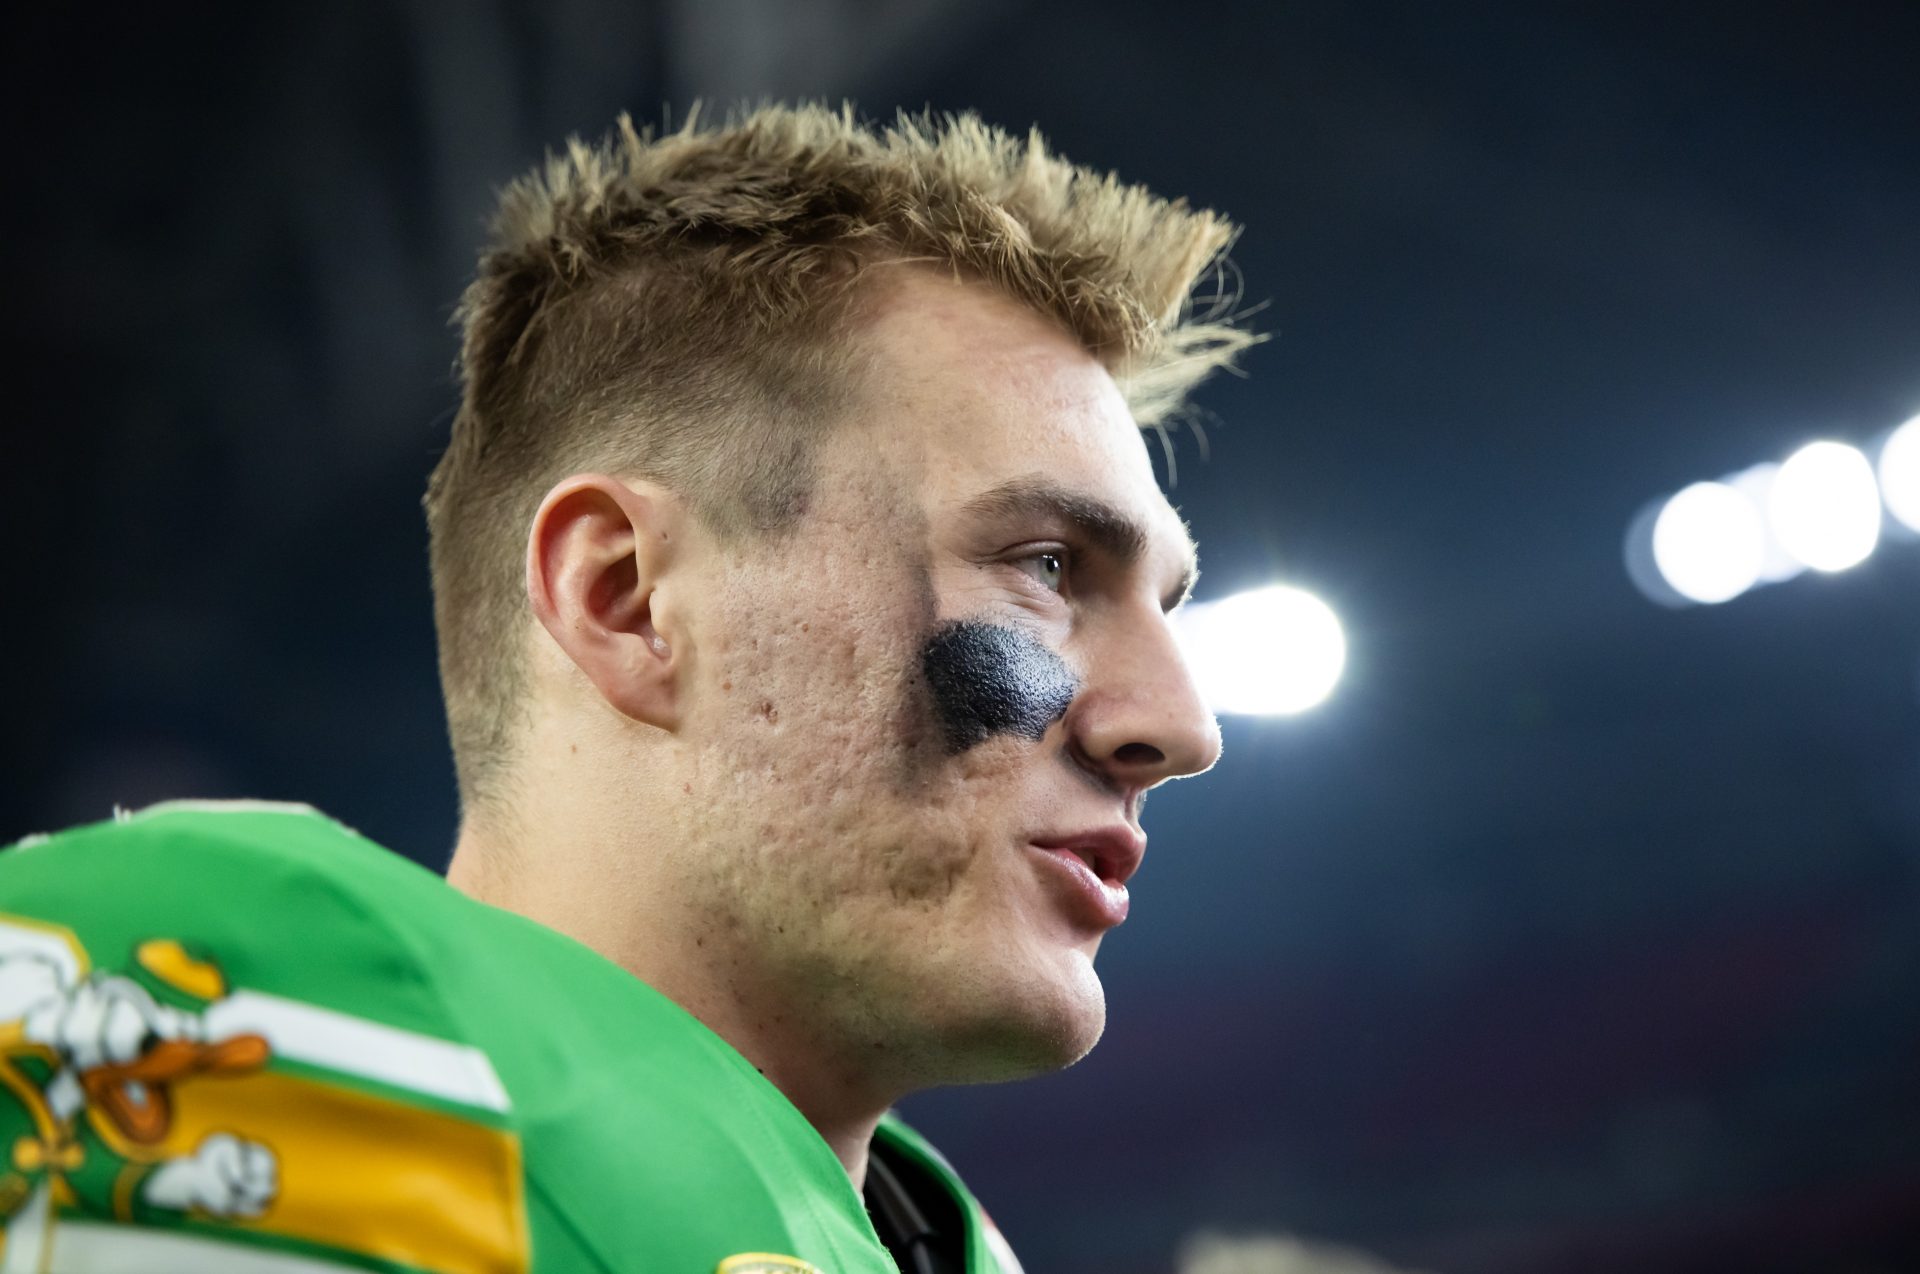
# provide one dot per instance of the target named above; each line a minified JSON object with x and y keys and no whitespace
{"x":776,"y":1036}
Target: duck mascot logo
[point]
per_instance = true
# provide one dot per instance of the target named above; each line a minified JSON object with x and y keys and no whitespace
{"x":89,"y":1064}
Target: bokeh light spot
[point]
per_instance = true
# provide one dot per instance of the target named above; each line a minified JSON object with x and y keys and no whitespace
{"x":1273,"y":651}
{"x":1709,"y":543}
{"x":1824,"y":507}
{"x":1900,"y":474}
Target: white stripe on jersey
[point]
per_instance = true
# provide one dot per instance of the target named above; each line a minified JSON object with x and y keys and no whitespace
{"x":90,"y":1247}
{"x":354,"y":1046}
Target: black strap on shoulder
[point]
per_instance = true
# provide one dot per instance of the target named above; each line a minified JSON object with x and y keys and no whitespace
{"x":915,"y":1243}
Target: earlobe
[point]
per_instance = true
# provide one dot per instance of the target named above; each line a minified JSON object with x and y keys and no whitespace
{"x":597,"y":553}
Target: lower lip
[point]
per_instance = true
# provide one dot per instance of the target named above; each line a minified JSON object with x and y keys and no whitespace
{"x":1093,"y":899}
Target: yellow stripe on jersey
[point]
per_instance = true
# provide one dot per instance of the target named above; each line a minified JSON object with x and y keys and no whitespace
{"x":365,"y":1173}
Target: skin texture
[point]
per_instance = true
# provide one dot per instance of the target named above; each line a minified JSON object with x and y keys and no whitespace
{"x":794,"y":784}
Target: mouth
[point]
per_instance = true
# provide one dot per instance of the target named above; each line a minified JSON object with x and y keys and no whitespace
{"x":1111,"y":854}
{"x":1092,"y":869}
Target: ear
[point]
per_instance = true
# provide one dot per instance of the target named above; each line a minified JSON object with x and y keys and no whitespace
{"x":595,"y":556}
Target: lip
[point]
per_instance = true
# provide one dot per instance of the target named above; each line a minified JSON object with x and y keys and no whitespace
{"x":1095,"y":866}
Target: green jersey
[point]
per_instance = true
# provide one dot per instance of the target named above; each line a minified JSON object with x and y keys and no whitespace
{"x":238,"y":1036}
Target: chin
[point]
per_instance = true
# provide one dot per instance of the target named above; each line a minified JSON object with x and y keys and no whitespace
{"x":1036,"y":1027}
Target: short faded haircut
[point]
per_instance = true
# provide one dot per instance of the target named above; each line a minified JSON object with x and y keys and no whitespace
{"x":680,"y":308}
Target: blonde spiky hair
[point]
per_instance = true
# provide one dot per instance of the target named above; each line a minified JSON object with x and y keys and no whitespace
{"x":680,"y":306}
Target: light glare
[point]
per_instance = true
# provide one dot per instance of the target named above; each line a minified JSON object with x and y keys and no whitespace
{"x":1709,"y":543}
{"x":1900,"y":474}
{"x":1824,"y":508}
{"x":1273,"y":651}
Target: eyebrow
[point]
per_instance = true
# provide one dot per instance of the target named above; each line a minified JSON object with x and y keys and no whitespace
{"x":1101,"y":524}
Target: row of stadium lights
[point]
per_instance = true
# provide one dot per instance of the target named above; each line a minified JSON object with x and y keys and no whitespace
{"x":1279,"y":650}
{"x":1823,"y":508}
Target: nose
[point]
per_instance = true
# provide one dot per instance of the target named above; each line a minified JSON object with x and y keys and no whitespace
{"x":1139,"y":719}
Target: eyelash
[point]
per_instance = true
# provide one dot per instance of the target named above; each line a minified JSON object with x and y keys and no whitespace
{"x":1060,"y":553}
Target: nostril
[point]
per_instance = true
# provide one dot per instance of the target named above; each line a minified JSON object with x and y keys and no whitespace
{"x":1139,"y":754}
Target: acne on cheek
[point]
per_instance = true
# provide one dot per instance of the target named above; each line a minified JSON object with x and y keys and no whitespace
{"x":987,"y":680}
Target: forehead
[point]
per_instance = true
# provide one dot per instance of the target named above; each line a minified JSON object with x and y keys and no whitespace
{"x":967,"y":390}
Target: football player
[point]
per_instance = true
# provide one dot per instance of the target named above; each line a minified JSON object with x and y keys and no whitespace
{"x":803,"y":591}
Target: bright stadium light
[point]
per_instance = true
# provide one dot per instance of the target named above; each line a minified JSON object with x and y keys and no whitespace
{"x":1274,"y":651}
{"x":1824,"y":507}
{"x":1709,"y":543}
{"x":1900,"y":474}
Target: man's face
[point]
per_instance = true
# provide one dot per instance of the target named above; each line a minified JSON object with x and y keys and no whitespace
{"x":920,"y":725}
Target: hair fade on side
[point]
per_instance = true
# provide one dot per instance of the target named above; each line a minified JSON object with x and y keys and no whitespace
{"x":677,"y":307}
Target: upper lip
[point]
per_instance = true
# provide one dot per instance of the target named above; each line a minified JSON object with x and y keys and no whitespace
{"x":1114,"y":853}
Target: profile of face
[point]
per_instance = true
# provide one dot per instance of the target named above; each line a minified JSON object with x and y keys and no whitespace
{"x":918,"y":727}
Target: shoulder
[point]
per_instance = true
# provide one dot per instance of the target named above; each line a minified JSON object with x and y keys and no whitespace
{"x":213,"y":1013}
{"x":279,"y":897}
{"x":186,"y":840}
{"x":405,"y":1037}
{"x":199,"y":833}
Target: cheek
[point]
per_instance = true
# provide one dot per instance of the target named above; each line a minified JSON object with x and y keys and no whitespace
{"x":813,"y":734}
{"x":867,"y":762}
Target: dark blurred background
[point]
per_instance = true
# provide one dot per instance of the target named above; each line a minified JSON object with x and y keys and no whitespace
{"x":1573,"y":933}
